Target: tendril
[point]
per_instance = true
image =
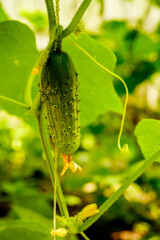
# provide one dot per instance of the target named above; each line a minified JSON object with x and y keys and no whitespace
{"x":124,"y":149}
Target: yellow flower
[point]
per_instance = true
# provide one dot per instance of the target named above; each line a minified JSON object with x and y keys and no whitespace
{"x":88,"y":211}
{"x":35,"y":70}
{"x":61,"y":232}
{"x":69,"y":163}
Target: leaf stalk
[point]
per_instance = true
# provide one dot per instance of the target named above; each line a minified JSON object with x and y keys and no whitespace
{"x":15,"y":102}
{"x":51,"y":16}
{"x":76,"y":19}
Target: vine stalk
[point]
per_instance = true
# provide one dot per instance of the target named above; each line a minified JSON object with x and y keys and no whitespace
{"x":76,"y":19}
{"x":51,"y":16}
{"x":19,"y":104}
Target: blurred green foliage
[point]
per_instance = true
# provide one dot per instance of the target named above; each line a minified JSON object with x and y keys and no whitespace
{"x":26,"y":194}
{"x":137,"y":52}
{"x":3,"y":15}
{"x":156,"y":2}
{"x":38,"y":19}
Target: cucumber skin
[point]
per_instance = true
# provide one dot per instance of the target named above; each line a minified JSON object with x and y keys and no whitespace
{"x":59,"y":91}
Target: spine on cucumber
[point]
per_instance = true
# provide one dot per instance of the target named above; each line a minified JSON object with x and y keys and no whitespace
{"x":59,"y":90}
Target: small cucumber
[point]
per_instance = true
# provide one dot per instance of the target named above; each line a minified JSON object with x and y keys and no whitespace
{"x":59,"y":91}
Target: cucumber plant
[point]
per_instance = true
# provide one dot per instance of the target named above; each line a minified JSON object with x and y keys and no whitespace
{"x":58,"y":103}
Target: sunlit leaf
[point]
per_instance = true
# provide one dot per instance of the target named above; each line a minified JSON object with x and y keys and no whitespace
{"x":156,"y":2}
{"x":3,"y":15}
{"x":24,"y":230}
{"x":18,"y":55}
{"x":28,"y":214}
{"x":97,"y":93}
{"x":37,"y":18}
{"x":148,"y":136}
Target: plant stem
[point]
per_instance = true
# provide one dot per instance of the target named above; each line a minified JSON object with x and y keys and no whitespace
{"x":51,"y":16}
{"x":19,"y":104}
{"x":50,"y":162}
{"x":109,"y":202}
{"x":57,"y":2}
{"x":84,"y":236}
{"x":28,"y":95}
{"x":76,"y":19}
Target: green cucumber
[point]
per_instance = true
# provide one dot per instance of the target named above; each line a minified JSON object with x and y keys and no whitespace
{"x":59,"y":91}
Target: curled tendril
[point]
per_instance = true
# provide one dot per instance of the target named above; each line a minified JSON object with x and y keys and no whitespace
{"x":125,"y":148}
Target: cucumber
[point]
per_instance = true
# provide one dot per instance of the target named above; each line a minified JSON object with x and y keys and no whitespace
{"x":59,"y":91}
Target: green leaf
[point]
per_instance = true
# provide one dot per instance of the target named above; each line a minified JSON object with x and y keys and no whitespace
{"x":144,"y":46}
{"x":148,"y":136}
{"x":156,"y":2}
{"x":18,"y":55}
{"x":28,"y":214}
{"x":24,"y":230}
{"x":97,"y":93}
{"x":3,"y":15}
{"x":37,"y":18}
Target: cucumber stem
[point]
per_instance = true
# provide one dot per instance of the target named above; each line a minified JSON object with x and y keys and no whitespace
{"x":51,"y":16}
{"x":76,"y":19}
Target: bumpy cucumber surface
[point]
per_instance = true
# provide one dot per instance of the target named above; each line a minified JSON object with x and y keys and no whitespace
{"x":59,"y":90}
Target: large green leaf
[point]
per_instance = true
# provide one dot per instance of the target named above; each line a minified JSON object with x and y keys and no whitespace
{"x":97,"y":93}
{"x":24,"y":230}
{"x":148,"y":136}
{"x":18,"y":55}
